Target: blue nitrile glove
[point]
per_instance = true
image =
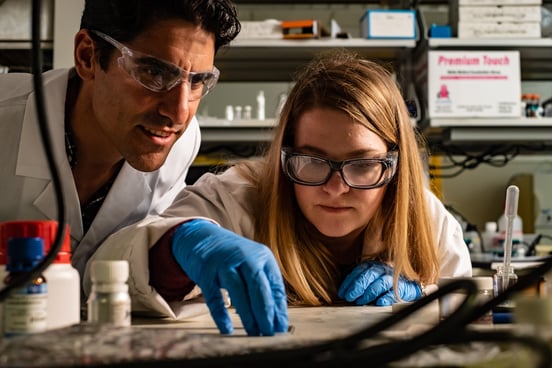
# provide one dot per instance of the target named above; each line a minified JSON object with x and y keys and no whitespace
{"x":372,"y":280}
{"x":216,"y":258}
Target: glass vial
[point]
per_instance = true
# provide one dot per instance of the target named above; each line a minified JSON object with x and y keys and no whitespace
{"x":502,"y":280}
{"x":238,"y":112}
{"x":247,"y":112}
{"x":25,"y":308}
{"x":109,"y":301}
{"x":485,"y":292}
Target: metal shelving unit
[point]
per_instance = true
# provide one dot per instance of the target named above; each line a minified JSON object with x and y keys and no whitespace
{"x":248,"y":60}
{"x":533,"y":133}
{"x":276,"y":60}
{"x":17,"y":54}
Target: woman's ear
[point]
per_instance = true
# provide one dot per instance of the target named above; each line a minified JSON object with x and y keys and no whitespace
{"x":85,"y":55}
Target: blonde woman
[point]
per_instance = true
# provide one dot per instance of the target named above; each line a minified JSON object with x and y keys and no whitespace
{"x":340,"y":199}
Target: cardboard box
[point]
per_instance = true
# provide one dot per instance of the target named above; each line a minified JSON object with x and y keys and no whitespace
{"x":266,"y":29}
{"x":388,"y":24}
{"x":499,"y":30}
{"x":474,"y":84}
{"x":530,"y":13}
{"x":294,"y":29}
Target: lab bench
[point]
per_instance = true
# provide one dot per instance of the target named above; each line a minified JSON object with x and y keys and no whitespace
{"x":155,"y":342}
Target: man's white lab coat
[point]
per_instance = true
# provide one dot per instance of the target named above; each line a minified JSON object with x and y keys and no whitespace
{"x":26,"y":189}
{"x":226,"y":199}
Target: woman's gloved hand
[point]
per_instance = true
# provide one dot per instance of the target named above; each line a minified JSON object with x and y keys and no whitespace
{"x":373,"y":281}
{"x":216,"y":258}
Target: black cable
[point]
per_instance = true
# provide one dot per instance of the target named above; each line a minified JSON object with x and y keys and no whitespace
{"x":47,"y":141}
{"x":495,"y":155}
{"x":532,"y":247}
{"x":338,"y":351}
{"x":349,"y":350}
{"x":384,"y":354}
{"x":344,"y":351}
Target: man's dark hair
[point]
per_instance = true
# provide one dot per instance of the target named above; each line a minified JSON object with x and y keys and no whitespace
{"x":124,"y":20}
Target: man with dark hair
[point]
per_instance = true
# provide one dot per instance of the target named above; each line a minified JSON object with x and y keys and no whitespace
{"x":121,"y":120}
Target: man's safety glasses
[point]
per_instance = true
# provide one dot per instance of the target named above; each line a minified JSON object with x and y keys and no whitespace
{"x":358,"y":173}
{"x":161,"y":76}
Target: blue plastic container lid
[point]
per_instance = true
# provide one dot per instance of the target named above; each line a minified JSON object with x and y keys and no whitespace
{"x":24,"y":254}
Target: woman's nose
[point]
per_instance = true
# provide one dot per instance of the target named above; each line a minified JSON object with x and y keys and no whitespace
{"x":336,"y":184}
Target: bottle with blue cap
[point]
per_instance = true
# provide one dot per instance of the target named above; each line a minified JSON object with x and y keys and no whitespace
{"x":26,"y":307}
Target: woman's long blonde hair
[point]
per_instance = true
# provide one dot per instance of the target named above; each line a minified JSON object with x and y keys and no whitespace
{"x":367,"y":92}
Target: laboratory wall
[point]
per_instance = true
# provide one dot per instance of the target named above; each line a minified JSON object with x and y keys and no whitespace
{"x":479,"y":194}
{"x":67,"y":14}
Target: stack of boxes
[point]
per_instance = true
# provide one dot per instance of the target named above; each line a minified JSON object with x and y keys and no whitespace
{"x":496,"y":18}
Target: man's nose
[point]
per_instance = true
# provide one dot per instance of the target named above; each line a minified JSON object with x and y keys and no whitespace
{"x":175,"y":103}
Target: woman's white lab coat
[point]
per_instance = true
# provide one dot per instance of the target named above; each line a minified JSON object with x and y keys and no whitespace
{"x":26,"y":189}
{"x":226,"y":199}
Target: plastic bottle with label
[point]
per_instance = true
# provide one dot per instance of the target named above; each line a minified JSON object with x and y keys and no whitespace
{"x":63,"y":278}
{"x":488,"y":236}
{"x":26,"y":307}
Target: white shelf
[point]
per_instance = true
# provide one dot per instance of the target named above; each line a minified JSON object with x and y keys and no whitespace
{"x":490,"y":42}
{"x":323,"y":43}
{"x":473,"y":131}
{"x":211,"y":122}
{"x":215,"y":130}
{"x":23,"y":45}
{"x":491,"y":122}
{"x":506,"y":134}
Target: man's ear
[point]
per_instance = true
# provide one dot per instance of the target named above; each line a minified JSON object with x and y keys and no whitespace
{"x":84,"y":55}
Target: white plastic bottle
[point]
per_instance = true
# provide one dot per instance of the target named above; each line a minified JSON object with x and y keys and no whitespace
{"x":473,"y":239}
{"x":489,"y":235}
{"x":63,"y":292}
{"x":229,"y":113}
{"x":261,"y":105}
{"x":109,"y":301}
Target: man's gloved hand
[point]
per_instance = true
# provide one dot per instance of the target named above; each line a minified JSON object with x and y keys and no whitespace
{"x":372,"y":280}
{"x":216,"y":258}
